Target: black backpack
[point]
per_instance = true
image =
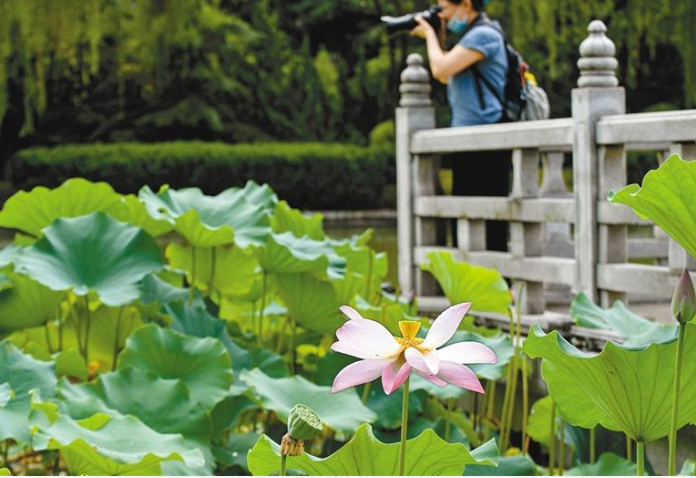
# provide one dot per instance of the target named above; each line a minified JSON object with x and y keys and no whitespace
{"x":515,"y":94}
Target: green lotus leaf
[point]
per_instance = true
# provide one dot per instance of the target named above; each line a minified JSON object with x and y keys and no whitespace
{"x":6,"y":394}
{"x":5,"y":472}
{"x":637,"y":331}
{"x":130,"y":391}
{"x":235,"y":450}
{"x":387,"y":408}
{"x":135,"y":213}
{"x":71,"y":364}
{"x":517,"y":465}
{"x":111,"y":446}
{"x":30,"y":212}
{"x":311,"y":302}
{"x":539,"y":426}
{"x":236,"y":214}
{"x":623,"y":390}
{"x":286,"y":254}
{"x":342,"y":412}
{"x":462,"y":282}
{"x":287,"y":219}
{"x":688,"y":469}
{"x":202,"y":364}
{"x":364,"y":455}
{"x":155,"y":289}
{"x":102,"y":339}
{"x":195,"y":320}
{"x":20,"y":373}
{"x":667,"y":197}
{"x":608,"y":464}
{"x":26,"y":303}
{"x":230,"y":270}
{"x":92,"y":252}
{"x":8,"y":254}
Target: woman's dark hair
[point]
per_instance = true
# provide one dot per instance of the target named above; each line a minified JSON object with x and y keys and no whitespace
{"x":476,"y":4}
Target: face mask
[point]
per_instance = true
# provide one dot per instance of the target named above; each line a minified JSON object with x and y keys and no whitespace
{"x":456,"y":25}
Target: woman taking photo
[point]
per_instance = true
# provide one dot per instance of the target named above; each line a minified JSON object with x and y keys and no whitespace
{"x":480,"y":51}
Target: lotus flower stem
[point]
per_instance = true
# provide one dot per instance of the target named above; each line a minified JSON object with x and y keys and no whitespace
{"x":490,"y":408}
{"x":263,"y":308}
{"x":675,"y":401}
{"x":78,"y":325}
{"x":448,"y":419}
{"x":117,"y":336}
{"x":629,"y":449}
{"x":525,"y":404}
{"x":404,"y":429}
{"x":366,"y":392}
{"x":369,"y":276}
{"x":88,"y":315}
{"x":48,"y":337}
{"x":592,"y":444}
{"x":552,"y":443}
{"x":640,"y":458}
{"x":293,"y":331}
{"x":283,"y":465}
{"x":561,"y":449}
{"x":192,"y":285}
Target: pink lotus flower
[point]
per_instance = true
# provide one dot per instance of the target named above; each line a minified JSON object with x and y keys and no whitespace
{"x":393,"y":358}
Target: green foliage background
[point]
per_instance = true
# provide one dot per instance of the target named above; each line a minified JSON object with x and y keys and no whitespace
{"x":304,"y":70}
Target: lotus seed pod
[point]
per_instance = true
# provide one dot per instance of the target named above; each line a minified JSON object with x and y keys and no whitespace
{"x":684,"y":299}
{"x":303,"y":423}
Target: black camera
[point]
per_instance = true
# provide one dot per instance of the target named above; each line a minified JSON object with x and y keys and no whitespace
{"x":408,"y":22}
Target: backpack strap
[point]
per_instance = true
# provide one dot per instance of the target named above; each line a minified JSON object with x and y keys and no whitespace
{"x":481,"y":20}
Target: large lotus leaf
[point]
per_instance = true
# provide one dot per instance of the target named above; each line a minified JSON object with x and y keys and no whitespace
{"x":20,"y":373}
{"x":5,"y":472}
{"x":26,"y":303}
{"x":235,"y":450}
{"x":129,"y":392}
{"x":154,"y":288}
{"x":111,"y":446}
{"x":342,"y":412}
{"x":668,"y":198}
{"x":287,"y":219}
{"x":135,"y":213}
{"x":230,"y":270}
{"x":623,"y":390}
{"x":102,"y":339}
{"x":286,"y":254}
{"x":517,"y":465}
{"x":608,"y":464}
{"x":539,"y":426}
{"x":92,"y":252}
{"x":30,"y":212}
{"x":637,"y":331}
{"x":462,"y":282}
{"x":239,"y":215}
{"x":364,"y":455}
{"x":202,"y":364}
{"x":311,"y":302}
{"x":196,"y":321}
{"x":688,"y":469}
{"x":8,"y":254}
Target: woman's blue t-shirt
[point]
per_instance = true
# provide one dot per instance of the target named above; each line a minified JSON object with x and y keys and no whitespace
{"x":461,"y":88}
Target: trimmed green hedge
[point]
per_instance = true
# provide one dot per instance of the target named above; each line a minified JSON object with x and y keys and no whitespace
{"x":307,"y":175}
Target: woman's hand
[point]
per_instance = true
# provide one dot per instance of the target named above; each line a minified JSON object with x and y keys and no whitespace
{"x":423,"y":29}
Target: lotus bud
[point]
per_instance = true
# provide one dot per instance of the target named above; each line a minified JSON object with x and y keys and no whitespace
{"x":684,"y":299}
{"x":303,"y":424}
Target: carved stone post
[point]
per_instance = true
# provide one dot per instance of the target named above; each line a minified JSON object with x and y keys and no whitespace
{"x":414,"y":113}
{"x":597,"y":95}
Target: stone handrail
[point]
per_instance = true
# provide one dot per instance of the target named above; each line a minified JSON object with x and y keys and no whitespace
{"x":541,"y":249}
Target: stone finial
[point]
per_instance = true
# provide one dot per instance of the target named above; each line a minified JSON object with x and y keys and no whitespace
{"x":415,"y":83}
{"x":597,"y":58}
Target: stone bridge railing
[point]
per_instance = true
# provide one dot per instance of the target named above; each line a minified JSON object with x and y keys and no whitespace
{"x":543,"y":252}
